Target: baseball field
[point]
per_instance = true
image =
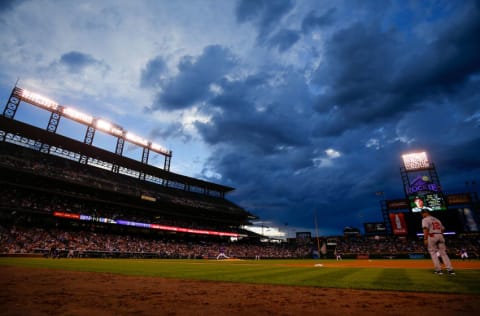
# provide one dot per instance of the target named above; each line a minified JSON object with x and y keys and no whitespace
{"x":39,"y":286}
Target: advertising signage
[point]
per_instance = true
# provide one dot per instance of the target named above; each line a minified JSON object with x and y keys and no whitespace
{"x":422,"y":184}
{"x":105,"y":220}
{"x":399,"y":226}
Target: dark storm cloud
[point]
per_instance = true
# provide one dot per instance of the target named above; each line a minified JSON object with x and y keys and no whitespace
{"x":172,"y":130}
{"x":76,"y":62}
{"x":151,"y":75}
{"x":255,"y":134}
{"x":284,"y":39}
{"x":355,"y":75}
{"x":293,"y":155}
{"x":300,"y":190}
{"x":371,"y":75}
{"x":375,"y":81}
{"x":264,"y":14}
{"x":466,"y":158}
{"x":449,"y":61}
{"x":257,"y":115}
{"x":195,"y":75}
{"x":313,"y":21}
{"x":463,"y":165}
{"x":6,"y":5}
{"x":262,"y":176}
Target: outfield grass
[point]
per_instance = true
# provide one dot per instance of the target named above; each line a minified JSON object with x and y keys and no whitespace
{"x":280,"y":272}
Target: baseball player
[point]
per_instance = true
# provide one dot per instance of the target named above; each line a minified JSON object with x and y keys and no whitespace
{"x":222,"y":254}
{"x":433,"y":238}
{"x":338,"y":255}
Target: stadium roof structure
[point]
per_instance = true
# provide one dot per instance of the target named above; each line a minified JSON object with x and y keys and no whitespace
{"x":20,"y":133}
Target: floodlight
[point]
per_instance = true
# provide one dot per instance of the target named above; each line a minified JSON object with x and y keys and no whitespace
{"x":159,"y":148}
{"x":87,"y":119}
{"x":77,"y":115}
{"x":103,"y":125}
{"x":38,"y":100}
{"x":415,"y":161}
{"x":109,"y":127}
{"x":136,"y":139}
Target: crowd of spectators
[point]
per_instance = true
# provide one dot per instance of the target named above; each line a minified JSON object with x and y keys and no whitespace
{"x":68,"y":242}
{"x":376,"y":246}
{"x":57,"y":242}
{"x":394,"y":246}
{"x":94,"y":176}
{"x":21,"y":199}
{"x":140,"y":201}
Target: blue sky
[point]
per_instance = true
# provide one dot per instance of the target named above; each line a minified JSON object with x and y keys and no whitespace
{"x":305,"y":107}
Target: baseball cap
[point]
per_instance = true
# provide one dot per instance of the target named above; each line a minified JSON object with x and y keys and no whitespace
{"x":424,"y":210}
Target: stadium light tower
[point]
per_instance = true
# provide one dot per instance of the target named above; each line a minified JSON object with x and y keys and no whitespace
{"x":58,"y":111}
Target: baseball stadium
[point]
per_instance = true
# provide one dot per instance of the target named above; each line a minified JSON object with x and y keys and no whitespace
{"x":87,"y":231}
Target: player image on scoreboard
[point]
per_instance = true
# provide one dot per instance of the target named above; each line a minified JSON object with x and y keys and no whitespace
{"x":429,"y":201}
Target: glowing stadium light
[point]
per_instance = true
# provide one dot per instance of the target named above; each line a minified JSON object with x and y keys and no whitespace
{"x":38,"y":100}
{"x":414,"y":161}
{"x":104,"y":125}
{"x":113,"y":129}
{"x":136,"y":139}
{"x":109,"y":127}
{"x":118,"y":131}
{"x":77,"y":115}
{"x":159,"y":148}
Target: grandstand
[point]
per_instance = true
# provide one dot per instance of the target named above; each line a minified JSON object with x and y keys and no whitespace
{"x":50,"y":181}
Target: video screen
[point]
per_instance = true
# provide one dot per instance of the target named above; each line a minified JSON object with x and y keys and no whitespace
{"x":428,"y":201}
